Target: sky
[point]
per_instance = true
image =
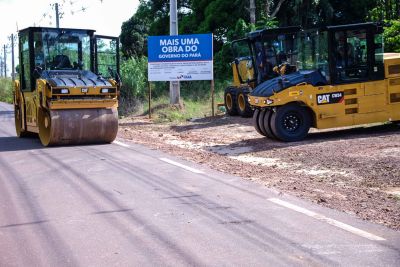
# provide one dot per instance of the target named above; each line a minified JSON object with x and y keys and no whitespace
{"x":104,"y":16}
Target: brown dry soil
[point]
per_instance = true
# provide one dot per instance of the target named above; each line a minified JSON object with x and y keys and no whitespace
{"x":354,"y":170}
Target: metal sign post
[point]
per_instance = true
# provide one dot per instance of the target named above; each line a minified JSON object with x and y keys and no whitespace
{"x":5,"y":62}
{"x":212,"y":98}
{"x":57,"y":16}
{"x":12,"y":57}
{"x":149,"y":84}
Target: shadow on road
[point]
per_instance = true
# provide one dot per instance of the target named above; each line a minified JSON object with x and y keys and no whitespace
{"x":127,"y":124}
{"x":13,"y":143}
{"x":213,"y":122}
{"x":7,"y":112}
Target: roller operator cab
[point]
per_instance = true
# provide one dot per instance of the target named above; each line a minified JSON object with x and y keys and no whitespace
{"x":68,"y":86}
{"x":343,"y":79}
{"x":261,"y":56}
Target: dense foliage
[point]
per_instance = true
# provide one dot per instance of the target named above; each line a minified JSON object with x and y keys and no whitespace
{"x":232,"y":19}
{"x":227,"y":19}
{"x":6,"y":94}
{"x":392,"y":36}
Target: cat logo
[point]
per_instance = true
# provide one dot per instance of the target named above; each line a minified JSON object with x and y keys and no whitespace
{"x":323,"y":99}
{"x":331,"y":98}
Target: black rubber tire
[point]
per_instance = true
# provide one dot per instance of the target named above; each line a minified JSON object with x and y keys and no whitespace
{"x":243,"y":106}
{"x":290,"y":122}
{"x":18,"y":122}
{"x":267,"y":123}
{"x":255,"y":121}
{"x":261,"y":122}
{"x":230,"y":101}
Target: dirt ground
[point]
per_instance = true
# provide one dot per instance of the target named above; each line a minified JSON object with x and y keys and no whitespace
{"x":353,"y":170}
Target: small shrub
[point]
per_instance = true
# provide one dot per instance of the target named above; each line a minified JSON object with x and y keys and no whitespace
{"x":135,"y":92}
{"x":134,"y":77}
{"x":6,"y":90}
{"x":392,"y":37}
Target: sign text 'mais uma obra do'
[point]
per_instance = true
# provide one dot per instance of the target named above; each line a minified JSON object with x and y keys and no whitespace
{"x":180,"y":57}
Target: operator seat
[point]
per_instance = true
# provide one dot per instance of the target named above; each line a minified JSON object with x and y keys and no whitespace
{"x":62,"y":62}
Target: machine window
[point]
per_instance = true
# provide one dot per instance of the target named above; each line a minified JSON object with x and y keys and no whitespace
{"x":244,"y":61}
{"x":62,"y":50}
{"x":25,"y":64}
{"x":313,"y":52}
{"x":241,"y":49}
{"x":378,"y":69}
{"x":106,"y":56}
{"x":279,"y":50}
{"x":378,"y":42}
{"x":351,"y":55}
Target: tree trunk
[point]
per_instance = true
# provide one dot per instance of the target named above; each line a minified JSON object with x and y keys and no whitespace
{"x":253,"y":11}
{"x":305,"y":7}
{"x":398,"y":9}
{"x":267,"y":8}
{"x":277,"y":7}
{"x":387,"y":9}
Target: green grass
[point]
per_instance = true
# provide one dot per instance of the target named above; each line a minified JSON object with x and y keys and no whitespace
{"x":6,"y":90}
{"x":162,"y":111}
{"x":195,"y":96}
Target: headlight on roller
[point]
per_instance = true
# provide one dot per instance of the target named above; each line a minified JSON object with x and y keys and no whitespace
{"x":107,"y":90}
{"x":268,"y":101}
{"x":63,"y":91}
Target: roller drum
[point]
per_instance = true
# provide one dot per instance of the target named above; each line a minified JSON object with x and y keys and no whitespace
{"x":77,"y":126}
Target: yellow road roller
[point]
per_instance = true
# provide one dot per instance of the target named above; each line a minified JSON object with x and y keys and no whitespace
{"x":257,"y":58}
{"x":68,"y":86}
{"x":343,"y":78}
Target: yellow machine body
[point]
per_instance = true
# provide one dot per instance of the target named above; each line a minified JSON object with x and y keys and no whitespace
{"x":64,"y":105}
{"x":243,"y":68}
{"x":362,"y":103}
{"x":256,"y":56}
{"x":342,"y":78}
{"x":75,"y":118}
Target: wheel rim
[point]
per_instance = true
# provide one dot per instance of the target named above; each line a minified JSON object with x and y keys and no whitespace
{"x":44,"y":122}
{"x":241,"y":102}
{"x":291,"y":122}
{"x":228,"y":101}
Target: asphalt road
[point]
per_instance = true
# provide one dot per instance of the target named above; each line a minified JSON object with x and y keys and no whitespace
{"x":126,"y":205}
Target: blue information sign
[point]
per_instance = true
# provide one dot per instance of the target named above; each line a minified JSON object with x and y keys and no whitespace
{"x":180,"y":57}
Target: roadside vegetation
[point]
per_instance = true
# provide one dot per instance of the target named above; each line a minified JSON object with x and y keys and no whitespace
{"x":196,"y":96}
{"x":191,"y":109}
{"x":229,"y":20}
{"x":6,"y":94}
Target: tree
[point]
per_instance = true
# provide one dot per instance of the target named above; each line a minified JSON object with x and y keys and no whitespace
{"x":385,"y":10}
{"x":232,"y":19}
{"x":252,"y":11}
{"x":151,"y":18}
{"x":392,"y":37}
{"x":134,"y":32}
